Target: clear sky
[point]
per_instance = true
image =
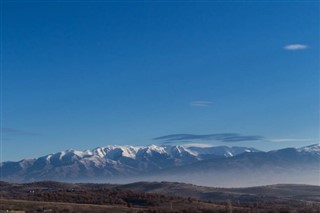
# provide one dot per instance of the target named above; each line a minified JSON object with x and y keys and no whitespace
{"x":79,"y":74}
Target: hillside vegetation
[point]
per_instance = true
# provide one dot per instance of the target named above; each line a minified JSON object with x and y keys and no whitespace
{"x":157,"y":197}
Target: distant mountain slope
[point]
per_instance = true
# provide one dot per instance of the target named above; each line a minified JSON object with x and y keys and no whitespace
{"x":315,"y":149}
{"x":288,"y":165}
{"x":111,"y":161}
{"x":213,"y":166}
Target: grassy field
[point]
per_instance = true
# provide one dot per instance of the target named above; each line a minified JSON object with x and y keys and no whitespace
{"x":8,"y":205}
{"x":39,"y":206}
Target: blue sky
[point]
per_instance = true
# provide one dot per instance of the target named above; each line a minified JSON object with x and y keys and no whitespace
{"x":86,"y":74}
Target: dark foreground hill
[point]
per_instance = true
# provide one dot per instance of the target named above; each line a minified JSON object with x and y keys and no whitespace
{"x":280,"y":193}
{"x":157,"y":197}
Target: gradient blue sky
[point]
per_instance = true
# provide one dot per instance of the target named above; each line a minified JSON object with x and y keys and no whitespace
{"x":86,"y":74}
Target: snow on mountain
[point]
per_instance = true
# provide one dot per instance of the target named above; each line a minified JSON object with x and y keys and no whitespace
{"x":114,"y":161}
{"x":111,"y":160}
{"x":115,"y":152}
{"x":221,"y":150}
{"x":314,"y":148}
{"x":180,"y":151}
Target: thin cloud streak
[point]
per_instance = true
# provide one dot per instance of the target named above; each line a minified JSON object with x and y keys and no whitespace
{"x":289,"y":140}
{"x":294,"y":47}
{"x":201,"y":103}
{"x":222,"y":137}
{"x":13,"y":131}
{"x":203,"y":145}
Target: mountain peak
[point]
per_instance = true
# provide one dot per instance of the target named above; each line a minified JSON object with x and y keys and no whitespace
{"x":114,"y":160}
{"x":314,"y":148}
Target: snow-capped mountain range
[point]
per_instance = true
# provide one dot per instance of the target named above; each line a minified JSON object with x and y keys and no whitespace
{"x":112,"y":162}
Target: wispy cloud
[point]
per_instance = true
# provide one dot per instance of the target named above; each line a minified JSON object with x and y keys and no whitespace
{"x":204,"y":145}
{"x":201,"y":103}
{"x":13,"y":131}
{"x":294,"y":47}
{"x":222,"y":137}
{"x":290,"y":140}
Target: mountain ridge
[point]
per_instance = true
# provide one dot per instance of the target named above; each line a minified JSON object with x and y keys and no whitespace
{"x":125,"y":162}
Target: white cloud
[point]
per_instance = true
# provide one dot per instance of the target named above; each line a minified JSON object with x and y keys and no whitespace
{"x":200,"y":103}
{"x":202,"y":145}
{"x":294,"y":47}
